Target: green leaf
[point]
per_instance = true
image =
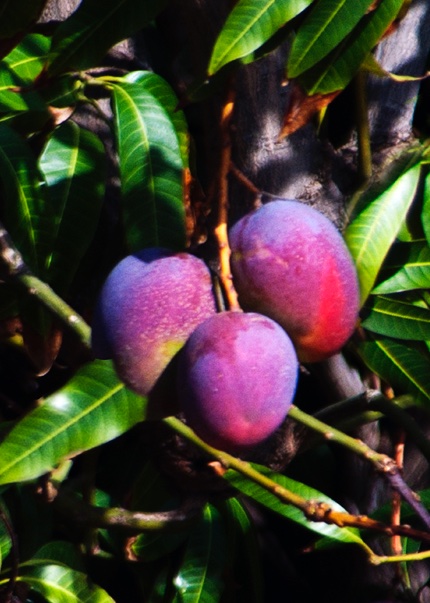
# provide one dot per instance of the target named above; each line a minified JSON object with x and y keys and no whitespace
{"x":160,"y":89}
{"x":370,"y":235}
{"x":151,"y":169}
{"x":85,"y":37}
{"x":401,"y":365}
{"x":74,"y":166}
{"x":25,"y":210}
{"x":94,"y":407}
{"x":21,"y":66}
{"x":326,"y":25}
{"x":59,"y":584}
{"x":412,"y":273}
{"x":269,"y":500}
{"x":397,"y":319}
{"x":199,"y":578}
{"x":336,"y":70}
{"x":249,"y":25}
{"x":58,"y":552}
{"x":244,"y":553}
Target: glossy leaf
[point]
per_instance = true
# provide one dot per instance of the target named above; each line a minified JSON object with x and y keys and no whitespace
{"x":57,"y":552}
{"x":370,"y":235}
{"x":151,"y":169}
{"x":404,"y":367}
{"x":336,"y":70}
{"x":249,"y":25}
{"x":74,"y":166}
{"x":60,"y":584}
{"x":397,"y":319}
{"x":26,"y":212}
{"x":412,"y":273}
{"x":269,"y":500}
{"x":326,"y":25}
{"x":85,"y":37}
{"x":21,"y":66}
{"x":199,"y":578}
{"x":164,"y":94}
{"x":94,"y":407}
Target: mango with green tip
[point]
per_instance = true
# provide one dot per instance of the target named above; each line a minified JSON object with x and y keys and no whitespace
{"x":149,"y":305}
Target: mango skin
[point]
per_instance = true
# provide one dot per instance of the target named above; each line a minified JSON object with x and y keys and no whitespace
{"x":148,"y":306}
{"x":237,"y":377}
{"x":289,"y":262}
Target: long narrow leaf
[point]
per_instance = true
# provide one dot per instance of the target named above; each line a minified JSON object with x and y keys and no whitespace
{"x":94,"y":407}
{"x":336,"y":70}
{"x":151,"y":169}
{"x":325,"y":27}
{"x":199,"y":579}
{"x":86,"y":36}
{"x":26,"y":212}
{"x":21,"y":66}
{"x":73,"y":163}
{"x":412,"y":273}
{"x":269,"y":500}
{"x":160,"y":90}
{"x":371,"y":234}
{"x":404,"y":367}
{"x":397,"y":319}
{"x":249,"y":25}
{"x":60,"y":584}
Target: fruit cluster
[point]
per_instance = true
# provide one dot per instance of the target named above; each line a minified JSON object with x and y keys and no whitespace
{"x":236,"y":372}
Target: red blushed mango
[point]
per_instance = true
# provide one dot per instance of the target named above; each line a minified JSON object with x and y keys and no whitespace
{"x":149,"y":305}
{"x":290,"y":263}
{"x":237,"y":377}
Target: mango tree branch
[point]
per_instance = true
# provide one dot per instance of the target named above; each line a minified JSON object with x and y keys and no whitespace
{"x":80,"y":512}
{"x":220,"y":231}
{"x":313,"y":510}
{"x":13,"y":267}
{"x":382,"y":462}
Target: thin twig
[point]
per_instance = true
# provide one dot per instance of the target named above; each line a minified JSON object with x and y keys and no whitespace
{"x":220,"y":231}
{"x":381,"y":462}
{"x":14,"y":268}
{"x":85,"y":514}
{"x":313,"y":510}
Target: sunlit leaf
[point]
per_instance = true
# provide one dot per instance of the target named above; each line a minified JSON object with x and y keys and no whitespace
{"x":412,"y":273}
{"x":21,"y":66}
{"x":249,"y":25}
{"x":60,"y":584}
{"x":370,"y":235}
{"x":160,"y":89}
{"x":26,"y":213}
{"x":397,"y":319}
{"x":405,"y":368}
{"x":94,"y":407}
{"x":326,"y":25}
{"x":74,"y":166}
{"x":199,"y":578}
{"x":336,"y":70}
{"x":84,"y":38}
{"x":269,"y":500}
{"x":151,"y":169}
